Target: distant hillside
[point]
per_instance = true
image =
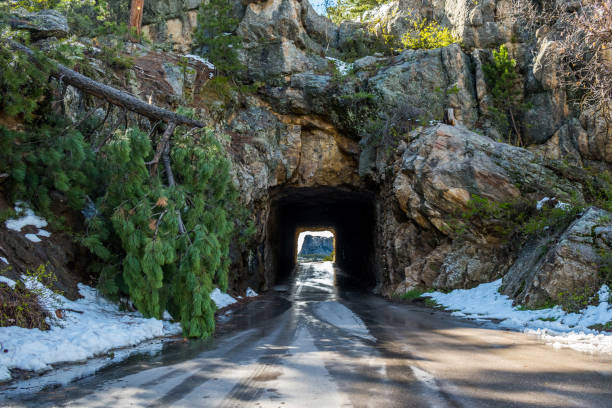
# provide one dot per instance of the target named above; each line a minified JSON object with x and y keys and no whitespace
{"x":314,"y":245}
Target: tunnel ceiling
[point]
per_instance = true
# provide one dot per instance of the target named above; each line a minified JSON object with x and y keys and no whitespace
{"x":350,"y":213}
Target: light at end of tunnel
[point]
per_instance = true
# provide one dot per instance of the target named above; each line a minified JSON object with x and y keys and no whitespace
{"x":314,"y":233}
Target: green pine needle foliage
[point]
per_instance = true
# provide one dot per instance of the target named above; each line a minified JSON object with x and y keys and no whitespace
{"x":215,"y":37}
{"x":22,"y":84}
{"x":505,"y":86}
{"x":137,"y":233}
{"x":37,"y":163}
{"x":135,"y":219}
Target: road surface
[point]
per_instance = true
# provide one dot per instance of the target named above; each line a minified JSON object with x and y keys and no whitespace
{"x":318,"y":343}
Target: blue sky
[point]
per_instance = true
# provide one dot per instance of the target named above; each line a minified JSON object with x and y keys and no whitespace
{"x":319,"y":5}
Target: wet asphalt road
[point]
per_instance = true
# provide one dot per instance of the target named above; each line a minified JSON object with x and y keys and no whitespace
{"x":318,"y":342}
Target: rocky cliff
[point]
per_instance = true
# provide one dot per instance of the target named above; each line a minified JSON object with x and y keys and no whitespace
{"x":451,"y":203}
{"x":314,"y":245}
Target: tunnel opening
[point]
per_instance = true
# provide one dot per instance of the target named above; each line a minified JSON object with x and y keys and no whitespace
{"x":326,"y":253}
{"x":348,"y":214}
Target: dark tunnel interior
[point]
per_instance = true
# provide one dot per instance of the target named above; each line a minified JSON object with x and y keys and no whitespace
{"x":351,"y":214}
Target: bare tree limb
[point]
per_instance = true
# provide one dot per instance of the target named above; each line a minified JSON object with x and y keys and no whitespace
{"x":161,"y":147}
{"x":172,"y":183}
{"x":112,"y":95}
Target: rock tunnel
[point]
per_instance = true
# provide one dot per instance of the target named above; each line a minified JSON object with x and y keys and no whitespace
{"x":348,"y":213}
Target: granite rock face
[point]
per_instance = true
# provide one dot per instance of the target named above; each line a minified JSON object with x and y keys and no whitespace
{"x":41,"y":24}
{"x":559,"y":267}
{"x":314,"y":245}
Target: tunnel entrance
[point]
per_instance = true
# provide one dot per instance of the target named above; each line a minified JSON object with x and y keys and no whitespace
{"x":349,"y":214}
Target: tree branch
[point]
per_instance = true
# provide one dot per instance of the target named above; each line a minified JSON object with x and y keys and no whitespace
{"x":112,"y":95}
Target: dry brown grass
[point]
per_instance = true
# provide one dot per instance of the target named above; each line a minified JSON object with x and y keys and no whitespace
{"x":20,"y":307}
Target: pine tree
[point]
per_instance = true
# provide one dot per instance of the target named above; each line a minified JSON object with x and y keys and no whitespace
{"x":504,"y":84}
{"x":215,"y":36}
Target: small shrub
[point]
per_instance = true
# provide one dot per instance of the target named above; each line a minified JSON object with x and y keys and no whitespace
{"x":428,"y":35}
{"x":576,"y":301}
{"x":42,"y":280}
{"x":22,"y":307}
{"x":551,"y":219}
{"x":602,"y":327}
{"x":503,"y":80}
{"x":351,"y":9}
{"x":412,"y":294}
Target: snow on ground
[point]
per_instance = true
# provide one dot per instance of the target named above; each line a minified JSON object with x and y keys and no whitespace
{"x":92,"y":326}
{"x":343,"y":67}
{"x":3,"y":259}
{"x":9,"y":282}
{"x":338,"y":315}
{"x":221,"y":299}
{"x":554,"y":326}
{"x":560,"y":204}
{"x":27,"y":217}
{"x":5,"y":374}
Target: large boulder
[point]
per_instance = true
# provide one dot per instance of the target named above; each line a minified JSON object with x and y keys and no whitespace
{"x":430,"y":244}
{"x":445,"y":166}
{"x":429,"y":81}
{"x":283,"y":37}
{"x":565,"y":268}
{"x":41,"y":24}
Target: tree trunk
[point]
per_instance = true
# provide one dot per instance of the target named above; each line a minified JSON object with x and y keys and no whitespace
{"x":136,"y":9}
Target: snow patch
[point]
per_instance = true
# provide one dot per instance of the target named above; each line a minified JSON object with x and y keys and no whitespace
{"x":32,"y":237}
{"x":9,"y":282}
{"x":560,"y":204}
{"x":28,"y":218}
{"x":554,"y":326}
{"x":204,"y":61}
{"x":250,"y":292}
{"x":92,"y":326}
{"x":343,"y":67}
{"x":3,"y":259}
{"x":43,"y":233}
{"x":221,"y":299}
{"x":338,"y":315}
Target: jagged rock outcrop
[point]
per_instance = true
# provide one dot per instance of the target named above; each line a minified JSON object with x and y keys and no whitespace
{"x":559,"y":267}
{"x":314,"y":245}
{"x":445,"y":166}
{"x":439,"y":172}
{"x":429,"y":81}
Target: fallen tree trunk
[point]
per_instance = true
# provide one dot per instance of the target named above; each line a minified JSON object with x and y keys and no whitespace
{"x":112,"y":95}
